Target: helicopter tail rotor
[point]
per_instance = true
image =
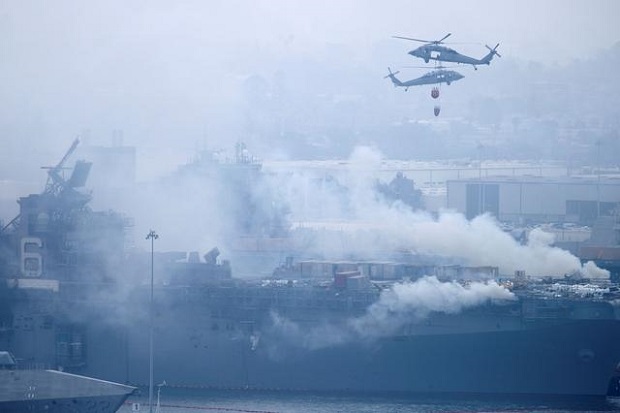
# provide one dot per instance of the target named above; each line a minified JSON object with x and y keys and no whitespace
{"x":494,"y":50}
{"x":391,"y":73}
{"x":393,"y":78}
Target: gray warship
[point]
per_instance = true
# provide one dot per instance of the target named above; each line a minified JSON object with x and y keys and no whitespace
{"x":71,"y":299}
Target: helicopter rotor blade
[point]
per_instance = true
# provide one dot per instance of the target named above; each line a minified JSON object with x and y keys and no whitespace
{"x":412,"y":39}
{"x":440,"y":41}
{"x":444,"y":38}
{"x":429,"y":67}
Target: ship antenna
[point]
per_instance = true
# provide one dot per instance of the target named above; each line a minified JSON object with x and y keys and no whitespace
{"x":55,"y":180}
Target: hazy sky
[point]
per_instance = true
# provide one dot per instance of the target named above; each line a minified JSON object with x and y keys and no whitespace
{"x":43,"y":31}
{"x":168,"y":73}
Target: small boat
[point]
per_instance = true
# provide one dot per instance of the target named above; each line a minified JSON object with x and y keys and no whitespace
{"x":52,"y":391}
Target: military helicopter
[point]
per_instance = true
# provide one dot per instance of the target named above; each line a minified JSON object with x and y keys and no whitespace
{"x":438,"y":76}
{"x":433,"y":50}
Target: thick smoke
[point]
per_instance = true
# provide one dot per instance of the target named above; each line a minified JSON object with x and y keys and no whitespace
{"x":315,"y":337}
{"x":336,"y":214}
{"x":406,"y":303}
{"x":348,"y":219}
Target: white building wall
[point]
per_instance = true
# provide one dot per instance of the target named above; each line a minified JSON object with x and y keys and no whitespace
{"x":511,"y":198}
{"x":544,"y":200}
{"x":456,"y":195}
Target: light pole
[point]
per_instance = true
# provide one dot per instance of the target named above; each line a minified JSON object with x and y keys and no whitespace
{"x":152,"y":235}
{"x":598,"y":179}
{"x":480,"y":211}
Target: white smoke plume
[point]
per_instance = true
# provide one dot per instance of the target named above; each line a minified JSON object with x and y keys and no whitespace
{"x":356,"y":222}
{"x":406,"y":303}
{"x":592,"y":271}
{"x":338,"y":215}
{"x":313,"y":338}
{"x":412,"y":302}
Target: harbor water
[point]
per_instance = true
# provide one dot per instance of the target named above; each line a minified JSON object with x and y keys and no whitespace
{"x":249,"y":401}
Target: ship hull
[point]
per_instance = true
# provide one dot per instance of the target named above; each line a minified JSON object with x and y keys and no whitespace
{"x":531,"y":347}
{"x":572,"y":359}
{"x":548,"y":361}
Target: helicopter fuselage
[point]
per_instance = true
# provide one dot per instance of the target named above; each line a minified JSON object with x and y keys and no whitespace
{"x":445,"y":54}
{"x":430,"y":78}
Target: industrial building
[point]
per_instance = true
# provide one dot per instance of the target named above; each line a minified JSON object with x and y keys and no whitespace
{"x":535,"y":199}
